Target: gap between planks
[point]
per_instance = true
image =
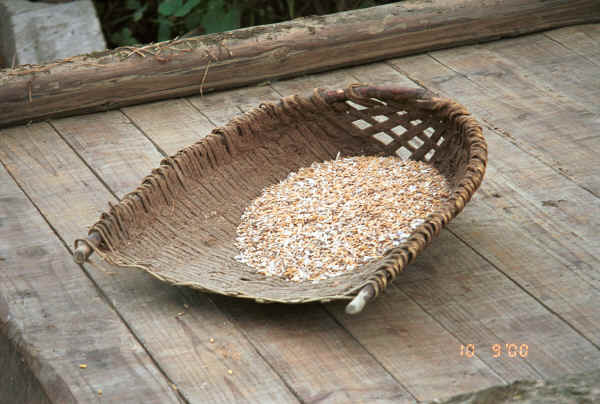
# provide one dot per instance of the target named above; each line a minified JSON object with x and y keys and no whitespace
{"x":54,"y":385}
{"x":541,"y":76}
{"x":584,"y":30}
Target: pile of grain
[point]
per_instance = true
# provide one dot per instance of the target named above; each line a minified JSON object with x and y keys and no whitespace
{"x":334,"y":216}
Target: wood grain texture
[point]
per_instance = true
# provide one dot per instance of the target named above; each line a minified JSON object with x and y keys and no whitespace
{"x":55,"y":319}
{"x":71,"y":197}
{"x":302,"y":344}
{"x":582,"y":39}
{"x":222,"y":106}
{"x":18,"y":383}
{"x":127,"y":76}
{"x":171,"y":125}
{"x":545,"y":119}
{"x":555,"y":70}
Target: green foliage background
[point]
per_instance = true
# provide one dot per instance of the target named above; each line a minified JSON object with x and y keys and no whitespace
{"x":129,"y":22}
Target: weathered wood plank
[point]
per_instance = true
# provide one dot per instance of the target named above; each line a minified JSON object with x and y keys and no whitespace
{"x":314,"y":355}
{"x":582,"y":39}
{"x":558,"y":72}
{"x":18,"y":383}
{"x":121,"y":153}
{"x":56,"y":319}
{"x":306,"y":84}
{"x":175,"y":124}
{"x":273,"y":330}
{"x":222,"y":106}
{"x":156,"y":121}
{"x":191,"y":65}
{"x":543,"y":121}
{"x":71,"y":197}
{"x":471,"y":314}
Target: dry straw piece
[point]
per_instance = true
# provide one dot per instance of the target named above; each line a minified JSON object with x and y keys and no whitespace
{"x":181,"y":223}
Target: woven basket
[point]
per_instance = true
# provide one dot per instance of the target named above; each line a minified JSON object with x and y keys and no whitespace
{"x":180,"y":223}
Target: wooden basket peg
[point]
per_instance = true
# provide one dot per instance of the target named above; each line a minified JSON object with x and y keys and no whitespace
{"x":83,"y":250}
{"x":359,"y":302}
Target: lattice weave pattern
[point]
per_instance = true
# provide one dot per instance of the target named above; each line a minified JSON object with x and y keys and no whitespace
{"x":179,"y":224}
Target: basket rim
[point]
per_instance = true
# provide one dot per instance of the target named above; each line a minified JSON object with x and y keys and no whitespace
{"x":225,"y":141}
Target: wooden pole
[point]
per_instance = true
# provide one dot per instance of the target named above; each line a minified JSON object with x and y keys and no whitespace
{"x":133,"y":75}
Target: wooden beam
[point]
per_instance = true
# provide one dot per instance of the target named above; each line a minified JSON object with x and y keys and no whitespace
{"x":188,"y":66}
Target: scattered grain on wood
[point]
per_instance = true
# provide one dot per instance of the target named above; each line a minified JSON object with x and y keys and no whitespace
{"x":335,"y":216}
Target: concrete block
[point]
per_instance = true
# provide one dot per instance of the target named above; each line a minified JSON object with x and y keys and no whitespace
{"x":34,"y":33}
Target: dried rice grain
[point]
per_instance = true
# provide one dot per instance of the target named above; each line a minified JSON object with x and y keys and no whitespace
{"x":335,"y":216}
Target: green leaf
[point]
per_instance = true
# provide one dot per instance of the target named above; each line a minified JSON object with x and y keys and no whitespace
{"x":168,"y":7}
{"x":193,"y":20}
{"x":139,"y":13}
{"x":291,"y":8}
{"x":186,"y":8}
{"x":217,"y":19}
{"x":100,"y":8}
{"x":164,"y":29}
{"x":123,"y":37}
{"x":133,"y":4}
{"x":366,"y":3}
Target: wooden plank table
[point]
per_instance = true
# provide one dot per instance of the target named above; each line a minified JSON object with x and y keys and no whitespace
{"x":520,"y":266}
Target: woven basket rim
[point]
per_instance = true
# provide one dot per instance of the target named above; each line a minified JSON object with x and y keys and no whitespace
{"x":225,"y":142}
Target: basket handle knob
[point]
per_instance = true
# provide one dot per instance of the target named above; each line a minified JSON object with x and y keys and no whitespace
{"x":83,"y":248}
{"x":359,"y":302}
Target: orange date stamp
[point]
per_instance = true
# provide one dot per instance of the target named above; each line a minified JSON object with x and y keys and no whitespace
{"x":498,"y":350}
